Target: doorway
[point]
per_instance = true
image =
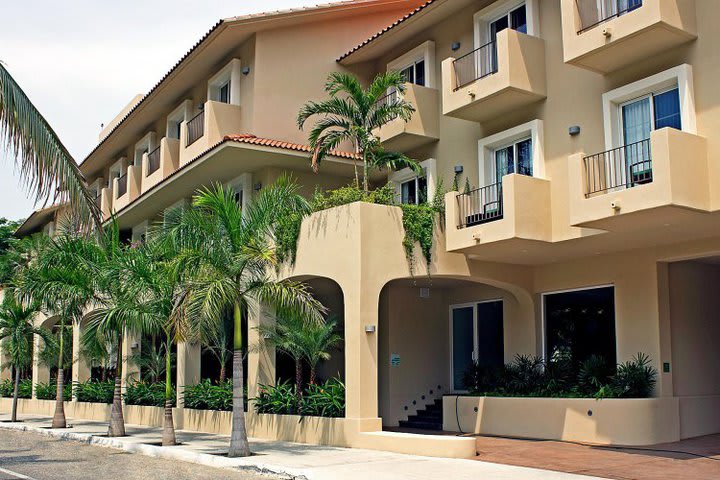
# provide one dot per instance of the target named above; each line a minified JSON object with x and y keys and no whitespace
{"x":476,"y":336}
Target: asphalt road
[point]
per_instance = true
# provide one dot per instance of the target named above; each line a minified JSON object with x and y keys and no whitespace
{"x":30,"y":456}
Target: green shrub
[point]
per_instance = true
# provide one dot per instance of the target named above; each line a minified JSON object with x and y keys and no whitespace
{"x":95,"y":391}
{"x":48,"y":391}
{"x":207,"y":395}
{"x":326,"y":400}
{"x":148,"y":394}
{"x":635,"y":378}
{"x":7,"y":387}
{"x":279,"y":399}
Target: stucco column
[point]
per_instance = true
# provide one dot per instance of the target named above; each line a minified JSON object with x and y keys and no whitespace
{"x":261,"y":356}
{"x":80,"y":367}
{"x":188,"y":368}
{"x":5,"y":369}
{"x":361,"y":352}
{"x":40,"y":373}
{"x":130,"y":347}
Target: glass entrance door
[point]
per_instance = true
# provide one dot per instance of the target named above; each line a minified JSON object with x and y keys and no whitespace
{"x":477,"y":337}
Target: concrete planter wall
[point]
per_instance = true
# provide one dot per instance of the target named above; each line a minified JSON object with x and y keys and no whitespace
{"x":642,"y":421}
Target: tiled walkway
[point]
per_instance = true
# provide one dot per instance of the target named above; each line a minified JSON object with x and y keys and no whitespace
{"x":700,"y":460}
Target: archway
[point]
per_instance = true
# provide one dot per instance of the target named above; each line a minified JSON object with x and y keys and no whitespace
{"x":432,"y":330}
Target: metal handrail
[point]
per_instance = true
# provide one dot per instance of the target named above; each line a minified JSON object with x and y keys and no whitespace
{"x":622,"y":167}
{"x":195,"y":128}
{"x":153,"y":161}
{"x":475,"y":65}
{"x":387,"y":99}
{"x":593,"y":12}
{"x":481,"y":205}
{"x":122,"y":185}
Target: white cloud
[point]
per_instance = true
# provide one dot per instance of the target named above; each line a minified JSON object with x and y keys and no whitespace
{"x":80,"y":62}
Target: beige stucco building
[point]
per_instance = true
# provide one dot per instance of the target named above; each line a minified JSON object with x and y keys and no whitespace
{"x":587,"y":132}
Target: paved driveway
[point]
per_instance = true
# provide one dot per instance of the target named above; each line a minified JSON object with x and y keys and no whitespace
{"x":693,"y":459}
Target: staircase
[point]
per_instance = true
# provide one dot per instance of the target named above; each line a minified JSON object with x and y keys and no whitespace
{"x":428,"y":419}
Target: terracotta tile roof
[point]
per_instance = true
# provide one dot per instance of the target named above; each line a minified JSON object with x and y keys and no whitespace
{"x":267,"y":142}
{"x":397,"y":22}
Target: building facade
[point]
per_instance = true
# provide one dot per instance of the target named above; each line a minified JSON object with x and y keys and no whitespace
{"x":573,"y":123}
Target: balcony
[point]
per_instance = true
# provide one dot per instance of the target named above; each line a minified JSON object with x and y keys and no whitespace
{"x":607,"y":35}
{"x":504,"y":214}
{"x":207,"y":128}
{"x":644,"y":184}
{"x":160,"y":163}
{"x":126,"y":187}
{"x":496,"y":78}
{"x":423,"y":128}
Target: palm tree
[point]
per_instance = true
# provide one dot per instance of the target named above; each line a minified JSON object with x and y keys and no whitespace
{"x":318,"y":340}
{"x":43,"y":161}
{"x":288,"y":336}
{"x":230,"y":254}
{"x":151,"y":360}
{"x":351,"y":114}
{"x":219,"y":345}
{"x":17,"y":329}
{"x":149,"y":301}
{"x":61,"y":282}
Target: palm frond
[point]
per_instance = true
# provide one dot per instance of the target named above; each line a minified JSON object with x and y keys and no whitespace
{"x":46,"y":167}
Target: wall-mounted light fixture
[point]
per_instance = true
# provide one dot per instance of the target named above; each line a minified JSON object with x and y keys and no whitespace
{"x":245,"y":70}
{"x":458,"y":169}
{"x":574,"y":130}
{"x":455,"y":46}
{"x":369,"y":328}
{"x":201,"y":106}
{"x":257,"y":186}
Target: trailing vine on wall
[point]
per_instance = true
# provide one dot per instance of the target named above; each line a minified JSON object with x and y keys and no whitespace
{"x":418,"y":220}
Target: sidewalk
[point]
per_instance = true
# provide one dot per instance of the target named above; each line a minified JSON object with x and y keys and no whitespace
{"x":287,"y":460}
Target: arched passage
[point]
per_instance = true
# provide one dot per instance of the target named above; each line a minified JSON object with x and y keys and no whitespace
{"x":330,"y":294}
{"x":431,"y":330}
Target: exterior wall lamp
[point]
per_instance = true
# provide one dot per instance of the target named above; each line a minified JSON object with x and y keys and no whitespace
{"x":369,"y":328}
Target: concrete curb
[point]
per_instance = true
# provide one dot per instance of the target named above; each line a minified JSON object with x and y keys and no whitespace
{"x":169,"y":453}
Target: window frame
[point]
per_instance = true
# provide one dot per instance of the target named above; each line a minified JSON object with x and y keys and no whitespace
{"x":487,"y":146}
{"x":484,"y":17}
{"x":405,"y":175}
{"x":229,"y":76}
{"x":680,"y":76}
{"x":423,"y":52}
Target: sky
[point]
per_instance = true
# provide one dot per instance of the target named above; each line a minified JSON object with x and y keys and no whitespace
{"x":81,"y":61}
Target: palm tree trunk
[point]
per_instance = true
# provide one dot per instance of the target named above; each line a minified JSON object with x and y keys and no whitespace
{"x":223,"y":372}
{"x":298,"y":380}
{"x":168,"y":436}
{"x":239,"y":446}
{"x":116,"y":428}
{"x":312,"y":374}
{"x":59,"y":420}
{"x":13,"y":415}
{"x":365,"y":173}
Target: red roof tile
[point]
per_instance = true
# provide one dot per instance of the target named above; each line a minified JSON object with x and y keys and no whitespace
{"x":267,"y":142}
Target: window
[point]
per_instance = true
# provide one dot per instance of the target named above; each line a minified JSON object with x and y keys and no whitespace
{"x":224,"y":93}
{"x":414,"y":191}
{"x":515,"y":19}
{"x":515,"y":158}
{"x":516,"y":150}
{"x":417,"y":65}
{"x":650,"y":112}
{"x":579,"y":324}
{"x":633,"y":111}
{"x":414,"y":73}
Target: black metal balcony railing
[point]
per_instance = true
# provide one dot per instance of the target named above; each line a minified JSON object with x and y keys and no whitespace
{"x":388,"y":99}
{"x":122,"y":185}
{"x":594,"y":12}
{"x":153,"y":161}
{"x":481,"y":205}
{"x":622,"y":167}
{"x":475,"y":65}
{"x":195,"y":128}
